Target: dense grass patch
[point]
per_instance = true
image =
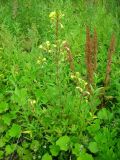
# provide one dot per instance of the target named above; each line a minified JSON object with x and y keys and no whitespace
{"x":55,"y":101}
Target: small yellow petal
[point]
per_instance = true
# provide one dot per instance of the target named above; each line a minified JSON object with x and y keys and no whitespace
{"x":52,"y":15}
{"x":40,"y":46}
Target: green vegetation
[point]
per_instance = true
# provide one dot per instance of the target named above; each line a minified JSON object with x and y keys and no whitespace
{"x":59,"y":80}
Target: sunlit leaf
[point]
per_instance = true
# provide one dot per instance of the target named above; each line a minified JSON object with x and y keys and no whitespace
{"x":63,"y":143}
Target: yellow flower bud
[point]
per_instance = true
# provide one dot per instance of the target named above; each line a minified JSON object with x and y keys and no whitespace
{"x":52,"y":15}
{"x":41,"y":47}
{"x":44,"y":59}
{"x":79,"y":88}
{"x":47,"y":43}
{"x":38,"y":61}
{"x":72,"y":76}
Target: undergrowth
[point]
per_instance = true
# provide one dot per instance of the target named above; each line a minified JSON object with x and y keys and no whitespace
{"x":59,"y":80}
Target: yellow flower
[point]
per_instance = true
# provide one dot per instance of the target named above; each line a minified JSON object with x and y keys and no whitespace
{"x":93,"y":116}
{"x":64,"y":42}
{"x":52,"y":15}
{"x":44,"y":59}
{"x":85,"y":83}
{"x":87,"y":93}
{"x":27,"y":132}
{"x":61,"y":25}
{"x":72,"y":76}
{"x":49,"y":51}
{"x":79,"y":88}
{"x":38,"y":61}
{"x":41,"y":47}
{"x":32,"y":102}
{"x":47,"y":43}
{"x":77,"y":74}
{"x":79,"y":79}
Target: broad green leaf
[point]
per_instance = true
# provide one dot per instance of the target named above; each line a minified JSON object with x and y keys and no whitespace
{"x":85,"y":156}
{"x":25,"y":145}
{"x":77,"y":149}
{"x":9,"y":149}
{"x":27,"y":155}
{"x":63,"y":143}
{"x":15,"y":130}
{"x":103,"y":114}
{"x":7,"y":119}
{"x":35,"y":145}
{"x":54,"y":149}
{"x":1,"y":154}
{"x":46,"y":156}
{"x":3,"y":107}
{"x":3,"y":126}
{"x":20,"y":96}
{"x":20,"y":151}
{"x":93,"y":147}
{"x":94,"y":127}
{"x":2,"y":142}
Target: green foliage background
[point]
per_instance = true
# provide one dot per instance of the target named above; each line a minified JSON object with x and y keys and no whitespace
{"x":44,"y":119}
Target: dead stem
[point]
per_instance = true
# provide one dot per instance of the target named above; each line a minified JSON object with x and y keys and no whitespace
{"x":111,"y":50}
{"x":70,"y":57}
{"x":15,"y":8}
{"x":88,"y":53}
{"x":95,"y":50}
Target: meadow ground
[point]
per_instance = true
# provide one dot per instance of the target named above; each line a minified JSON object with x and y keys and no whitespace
{"x":59,"y":80}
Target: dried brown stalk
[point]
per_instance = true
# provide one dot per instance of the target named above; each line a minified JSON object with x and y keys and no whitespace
{"x":95,"y":50}
{"x":15,"y":8}
{"x":111,"y":50}
{"x":88,"y":52}
{"x":70,"y":57}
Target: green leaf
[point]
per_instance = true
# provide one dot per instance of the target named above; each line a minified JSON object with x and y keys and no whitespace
{"x":93,"y":147}
{"x":2,"y":142}
{"x":7,"y":119}
{"x":25,"y":145}
{"x":20,"y":96}
{"x":1,"y":154}
{"x":54,"y":149}
{"x":15,"y":131}
{"x":103,"y":114}
{"x":20,"y":151}
{"x":9,"y":149}
{"x":46,"y":156}
{"x":85,"y":156}
{"x":77,"y":149}
{"x":3,"y":126}
{"x":3,"y":107}
{"x":27,"y":155}
{"x":35,"y":145}
{"x":63,"y":143}
{"x":94,"y":127}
